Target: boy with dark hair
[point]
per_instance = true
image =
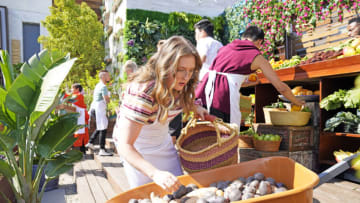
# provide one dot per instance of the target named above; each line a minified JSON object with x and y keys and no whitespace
{"x":206,"y":45}
{"x":219,"y":91}
{"x":354,"y":27}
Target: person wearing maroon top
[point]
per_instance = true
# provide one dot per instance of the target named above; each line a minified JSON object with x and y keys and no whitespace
{"x":220,"y":89}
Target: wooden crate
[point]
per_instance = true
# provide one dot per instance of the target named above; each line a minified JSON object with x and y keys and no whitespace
{"x":307,"y":158}
{"x":328,"y":33}
{"x":294,"y":138}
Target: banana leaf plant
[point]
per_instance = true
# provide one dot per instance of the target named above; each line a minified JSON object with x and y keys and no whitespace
{"x":30,"y":128}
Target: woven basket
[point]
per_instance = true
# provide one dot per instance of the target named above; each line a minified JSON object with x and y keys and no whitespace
{"x":295,"y":118}
{"x":207,"y":145}
{"x":267,"y":146}
{"x":246,"y":141}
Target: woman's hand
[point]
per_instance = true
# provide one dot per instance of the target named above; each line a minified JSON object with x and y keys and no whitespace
{"x":60,"y":106}
{"x":200,"y":112}
{"x":299,"y":102}
{"x":166,"y":180}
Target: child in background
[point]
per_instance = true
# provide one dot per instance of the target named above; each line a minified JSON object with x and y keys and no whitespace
{"x":129,"y":67}
{"x":78,"y":105}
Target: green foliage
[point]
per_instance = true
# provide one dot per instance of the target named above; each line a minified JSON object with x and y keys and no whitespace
{"x":143,"y":15}
{"x":144,"y":29}
{"x":75,"y":29}
{"x":30,"y":124}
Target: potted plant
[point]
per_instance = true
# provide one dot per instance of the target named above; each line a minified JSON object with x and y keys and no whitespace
{"x":31,"y":128}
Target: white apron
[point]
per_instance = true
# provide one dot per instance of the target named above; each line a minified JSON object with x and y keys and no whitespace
{"x":234,"y":81}
{"x":81,"y":119}
{"x":154,"y":143}
{"x":100,"y":113}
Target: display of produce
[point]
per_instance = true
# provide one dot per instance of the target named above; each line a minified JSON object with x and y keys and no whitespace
{"x":343,"y":122}
{"x":277,"y":105}
{"x":299,"y":90}
{"x":294,"y":61}
{"x":267,"y":137}
{"x":221,"y":192}
{"x":322,"y":56}
{"x":346,"y":98}
{"x":341,"y":155}
{"x":249,"y":132}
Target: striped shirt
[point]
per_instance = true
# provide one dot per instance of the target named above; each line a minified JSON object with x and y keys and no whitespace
{"x":138,"y":104}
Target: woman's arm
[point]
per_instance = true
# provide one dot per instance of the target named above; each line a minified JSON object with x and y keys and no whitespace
{"x":130,"y":131}
{"x":261,"y":63}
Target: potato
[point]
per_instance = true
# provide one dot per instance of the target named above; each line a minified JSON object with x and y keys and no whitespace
{"x":280,"y":189}
{"x":180,"y":192}
{"x":278,"y":184}
{"x":145,"y":201}
{"x":222,"y":185}
{"x":271,"y":180}
{"x":203,"y":192}
{"x":242,"y":179}
{"x":238,"y":184}
{"x":264,"y":188}
{"x":249,"y":179}
{"x":201,"y":200}
{"x":193,"y":186}
{"x":309,"y":92}
{"x":249,"y":189}
{"x":247,"y":196}
{"x":259,"y":176}
{"x":168,"y":197}
{"x":317,"y":92}
{"x":188,"y":200}
{"x":254,"y":184}
{"x":232,"y":194}
{"x":216,"y":199}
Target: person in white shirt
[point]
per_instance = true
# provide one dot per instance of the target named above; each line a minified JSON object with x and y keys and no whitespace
{"x":206,"y":45}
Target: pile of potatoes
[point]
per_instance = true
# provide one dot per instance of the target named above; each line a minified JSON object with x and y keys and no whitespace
{"x":221,"y":192}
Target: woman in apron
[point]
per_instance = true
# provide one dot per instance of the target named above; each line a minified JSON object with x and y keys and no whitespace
{"x":219,"y":91}
{"x":156,"y":93}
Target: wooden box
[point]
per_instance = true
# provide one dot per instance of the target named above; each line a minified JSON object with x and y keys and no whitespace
{"x":306,"y":158}
{"x":293,"y":138}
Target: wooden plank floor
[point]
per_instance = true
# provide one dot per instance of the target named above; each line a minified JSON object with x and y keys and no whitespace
{"x":337,"y":190}
{"x":92,"y":184}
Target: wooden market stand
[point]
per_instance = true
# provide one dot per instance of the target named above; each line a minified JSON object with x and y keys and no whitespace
{"x":326,"y":76}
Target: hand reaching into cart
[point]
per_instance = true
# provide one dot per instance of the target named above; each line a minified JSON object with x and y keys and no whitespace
{"x":166,"y":180}
{"x":202,"y":113}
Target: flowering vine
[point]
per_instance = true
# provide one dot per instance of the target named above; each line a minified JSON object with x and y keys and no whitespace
{"x":277,"y":17}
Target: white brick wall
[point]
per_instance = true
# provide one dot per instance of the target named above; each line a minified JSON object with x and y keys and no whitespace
{"x":25,"y":11}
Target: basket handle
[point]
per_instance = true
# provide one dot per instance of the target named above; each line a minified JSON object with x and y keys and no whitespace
{"x":215,"y":121}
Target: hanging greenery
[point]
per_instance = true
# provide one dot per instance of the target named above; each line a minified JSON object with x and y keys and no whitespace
{"x":143,"y":29}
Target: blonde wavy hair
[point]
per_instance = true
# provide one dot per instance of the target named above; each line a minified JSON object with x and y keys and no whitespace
{"x":163,"y":64}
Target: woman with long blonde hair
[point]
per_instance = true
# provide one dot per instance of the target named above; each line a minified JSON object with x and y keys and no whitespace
{"x":156,"y":93}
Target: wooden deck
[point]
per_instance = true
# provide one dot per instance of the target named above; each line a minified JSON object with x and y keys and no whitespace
{"x":337,"y":190}
{"x":101,"y":178}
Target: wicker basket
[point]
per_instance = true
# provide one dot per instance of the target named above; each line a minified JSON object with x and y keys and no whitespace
{"x":207,"y":145}
{"x":267,"y":146}
{"x":267,"y":113}
{"x":246,"y":141}
{"x":295,"y":118}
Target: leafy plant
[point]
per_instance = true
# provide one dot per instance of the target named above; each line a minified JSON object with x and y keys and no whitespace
{"x":348,"y":120}
{"x":31,"y":129}
{"x":278,"y":104}
{"x":143,"y":29}
{"x":75,"y":29}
